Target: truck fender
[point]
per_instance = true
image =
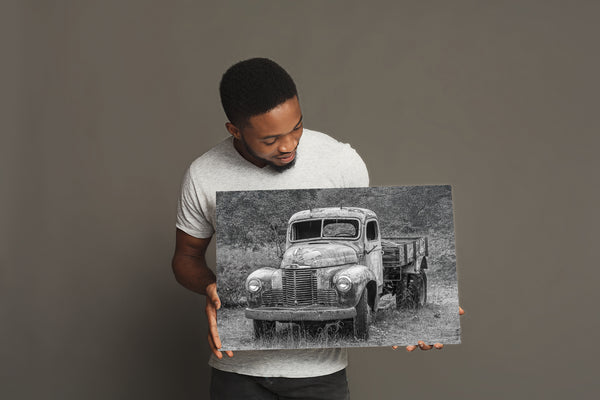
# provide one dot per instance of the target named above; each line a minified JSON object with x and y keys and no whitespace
{"x":264,"y":275}
{"x":360,"y":276}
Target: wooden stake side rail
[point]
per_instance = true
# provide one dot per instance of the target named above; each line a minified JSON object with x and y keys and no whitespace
{"x":401,"y":251}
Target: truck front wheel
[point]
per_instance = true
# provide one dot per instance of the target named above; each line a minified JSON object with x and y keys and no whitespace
{"x":361,"y":321}
{"x":263,"y":328}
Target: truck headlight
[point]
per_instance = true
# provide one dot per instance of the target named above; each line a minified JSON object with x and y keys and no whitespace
{"x":254,"y":285}
{"x":343,"y":284}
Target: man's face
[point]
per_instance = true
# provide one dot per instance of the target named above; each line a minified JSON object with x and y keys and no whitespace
{"x":271,"y":138}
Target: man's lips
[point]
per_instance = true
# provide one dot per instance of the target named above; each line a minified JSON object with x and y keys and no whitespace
{"x":287,"y":158}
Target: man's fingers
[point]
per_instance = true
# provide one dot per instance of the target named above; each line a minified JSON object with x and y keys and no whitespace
{"x":211,"y":316}
{"x":216,"y":340}
{"x":212,"y":305}
{"x":211,"y":294}
{"x":213,"y":347}
{"x":216,"y":301}
{"x":460,"y":310}
{"x":395,"y":347}
{"x":424,"y":346}
{"x":213,"y":332}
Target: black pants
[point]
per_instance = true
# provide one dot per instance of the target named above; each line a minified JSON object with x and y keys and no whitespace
{"x":231,"y":386}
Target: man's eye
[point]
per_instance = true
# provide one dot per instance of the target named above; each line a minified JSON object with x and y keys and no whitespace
{"x":271,"y":142}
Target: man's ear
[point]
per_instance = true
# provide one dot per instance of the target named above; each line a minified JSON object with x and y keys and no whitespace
{"x":235,"y":132}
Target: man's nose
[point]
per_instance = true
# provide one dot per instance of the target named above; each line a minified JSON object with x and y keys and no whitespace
{"x":287,"y":143}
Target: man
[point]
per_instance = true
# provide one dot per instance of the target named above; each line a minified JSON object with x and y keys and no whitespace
{"x":269,"y":148}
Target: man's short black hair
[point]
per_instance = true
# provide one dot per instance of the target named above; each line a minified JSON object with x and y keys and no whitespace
{"x":253,"y":87}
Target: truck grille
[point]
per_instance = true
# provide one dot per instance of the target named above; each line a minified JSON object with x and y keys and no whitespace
{"x":273,"y":298}
{"x":327,"y":297}
{"x":299,"y":287}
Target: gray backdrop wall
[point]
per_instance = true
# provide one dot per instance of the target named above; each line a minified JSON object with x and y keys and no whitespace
{"x":106,"y":103}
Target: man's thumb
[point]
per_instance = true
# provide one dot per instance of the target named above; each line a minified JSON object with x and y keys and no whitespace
{"x":214,"y":298}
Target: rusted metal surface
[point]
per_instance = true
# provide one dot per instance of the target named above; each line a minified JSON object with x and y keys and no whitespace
{"x":334,"y":212}
{"x":401,"y":251}
{"x":318,"y":255}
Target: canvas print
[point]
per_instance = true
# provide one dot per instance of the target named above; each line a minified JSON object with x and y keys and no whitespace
{"x":352,"y":267}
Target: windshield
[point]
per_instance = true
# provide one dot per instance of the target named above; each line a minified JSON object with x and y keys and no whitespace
{"x":327,"y":228}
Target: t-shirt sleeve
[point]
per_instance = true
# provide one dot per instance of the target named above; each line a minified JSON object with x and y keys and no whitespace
{"x":356,"y":173}
{"x":191,"y":218}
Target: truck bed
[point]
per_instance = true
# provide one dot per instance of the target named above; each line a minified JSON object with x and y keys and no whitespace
{"x":401,"y":251}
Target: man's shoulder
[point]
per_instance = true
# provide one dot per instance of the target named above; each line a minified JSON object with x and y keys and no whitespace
{"x":334,"y":159}
{"x":321,"y":144}
{"x":320,"y":138}
{"x":218,"y":154}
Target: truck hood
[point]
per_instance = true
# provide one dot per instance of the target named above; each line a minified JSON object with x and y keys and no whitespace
{"x":313,"y":255}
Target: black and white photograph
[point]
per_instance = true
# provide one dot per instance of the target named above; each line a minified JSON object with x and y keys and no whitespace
{"x":352,"y":267}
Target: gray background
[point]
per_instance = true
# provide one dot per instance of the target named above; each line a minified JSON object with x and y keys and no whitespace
{"x":104,"y":104}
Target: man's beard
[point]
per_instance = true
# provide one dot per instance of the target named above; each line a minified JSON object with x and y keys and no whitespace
{"x":278,"y":168}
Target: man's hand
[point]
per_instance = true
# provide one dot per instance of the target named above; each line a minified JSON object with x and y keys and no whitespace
{"x":190,"y":269}
{"x":212,"y":305}
{"x":421,"y":344}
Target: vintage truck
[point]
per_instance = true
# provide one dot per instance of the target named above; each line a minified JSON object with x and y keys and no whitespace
{"x":336,"y":267}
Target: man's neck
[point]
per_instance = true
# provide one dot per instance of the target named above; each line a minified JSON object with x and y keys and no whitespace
{"x":241,"y":149}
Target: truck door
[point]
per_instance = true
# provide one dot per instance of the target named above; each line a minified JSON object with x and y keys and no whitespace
{"x":373,"y":250}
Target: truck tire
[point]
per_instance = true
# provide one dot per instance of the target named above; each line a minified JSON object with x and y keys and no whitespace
{"x":412,"y":293}
{"x":263,"y":329}
{"x":361,"y":321}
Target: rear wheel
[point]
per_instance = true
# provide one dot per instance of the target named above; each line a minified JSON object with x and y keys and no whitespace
{"x":361,"y":321}
{"x":412,"y":293}
{"x":263,"y":328}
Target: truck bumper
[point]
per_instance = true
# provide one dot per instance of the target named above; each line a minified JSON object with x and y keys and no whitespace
{"x":305,"y":314}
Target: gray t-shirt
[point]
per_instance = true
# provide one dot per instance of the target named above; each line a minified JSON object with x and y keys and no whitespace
{"x":321,"y":162}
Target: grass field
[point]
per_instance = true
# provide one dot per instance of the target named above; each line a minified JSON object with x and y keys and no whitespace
{"x":436,"y":322}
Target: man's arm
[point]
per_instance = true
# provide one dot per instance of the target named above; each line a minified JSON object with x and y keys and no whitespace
{"x":190,"y":269}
